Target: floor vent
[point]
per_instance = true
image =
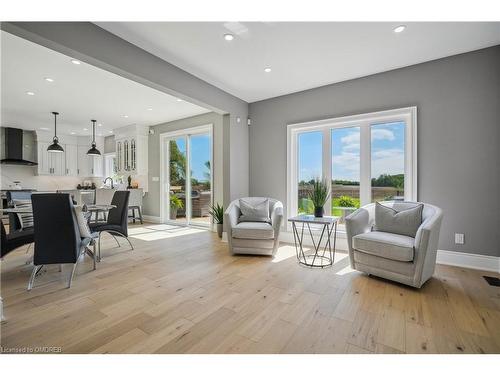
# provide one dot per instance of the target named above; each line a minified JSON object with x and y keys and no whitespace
{"x":495,"y":281}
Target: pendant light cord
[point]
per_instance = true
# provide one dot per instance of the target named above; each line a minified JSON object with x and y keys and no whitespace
{"x":93,"y":132}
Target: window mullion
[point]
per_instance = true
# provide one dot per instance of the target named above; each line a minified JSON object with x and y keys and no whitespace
{"x":365,"y":165}
{"x":327,"y":166}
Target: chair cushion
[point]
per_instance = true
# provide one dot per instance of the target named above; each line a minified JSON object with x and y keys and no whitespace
{"x":405,"y":222}
{"x":253,"y":210}
{"x":253,"y":231}
{"x":385,"y":245}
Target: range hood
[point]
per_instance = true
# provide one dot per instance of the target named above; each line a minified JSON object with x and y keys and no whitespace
{"x":13,"y":144}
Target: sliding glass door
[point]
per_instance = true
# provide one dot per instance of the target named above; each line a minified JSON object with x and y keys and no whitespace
{"x":187,"y":196}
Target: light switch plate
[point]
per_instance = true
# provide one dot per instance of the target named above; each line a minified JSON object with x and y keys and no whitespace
{"x":155,"y":179}
{"x":459,"y":238}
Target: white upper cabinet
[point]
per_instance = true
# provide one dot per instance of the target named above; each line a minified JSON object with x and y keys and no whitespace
{"x":90,"y":166}
{"x":132,"y":153}
{"x":71,"y":153}
{"x":74,"y":161}
{"x":132,"y":150}
{"x":50,"y":163}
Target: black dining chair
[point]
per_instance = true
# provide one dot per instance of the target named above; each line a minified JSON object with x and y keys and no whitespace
{"x":57,"y":235}
{"x":15,"y":239}
{"x":117,"y":221}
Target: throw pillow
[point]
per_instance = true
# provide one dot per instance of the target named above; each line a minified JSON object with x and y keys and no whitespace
{"x":256,"y":211}
{"x":83,"y":224}
{"x":405,"y":222}
{"x":26,"y":219}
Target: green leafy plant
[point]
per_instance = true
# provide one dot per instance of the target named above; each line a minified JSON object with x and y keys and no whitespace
{"x":320,"y":193}
{"x":346,"y":201}
{"x":175,"y":201}
{"x":217,"y":212}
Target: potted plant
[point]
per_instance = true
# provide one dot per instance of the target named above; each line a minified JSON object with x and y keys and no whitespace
{"x":319,"y":195}
{"x":217,"y":212}
{"x":175,"y":204}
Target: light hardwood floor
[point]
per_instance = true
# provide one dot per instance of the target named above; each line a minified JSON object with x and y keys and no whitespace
{"x":185,"y":294}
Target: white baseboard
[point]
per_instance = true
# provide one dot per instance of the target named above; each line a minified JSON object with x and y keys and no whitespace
{"x":467,"y":260}
{"x":151,"y":219}
{"x":450,"y":258}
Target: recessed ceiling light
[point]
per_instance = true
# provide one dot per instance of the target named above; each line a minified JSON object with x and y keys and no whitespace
{"x":72,"y":133}
{"x":126,"y":116}
{"x":30,"y":93}
{"x":99,"y":124}
{"x":111,"y":132}
{"x":179,"y":100}
{"x":44,"y":129}
{"x":49,"y":79}
{"x":228,"y":37}
{"x":150,"y":109}
{"x":399,"y":29}
{"x":267,"y":70}
{"x":85,"y":129}
{"x":76,"y":62}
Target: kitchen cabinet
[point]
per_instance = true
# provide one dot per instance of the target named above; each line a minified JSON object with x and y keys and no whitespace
{"x":132,"y":150}
{"x":71,"y":154}
{"x":74,"y":161}
{"x":132,"y":153}
{"x":83,"y":165}
{"x":89,"y":166}
{"x":50,"y":163}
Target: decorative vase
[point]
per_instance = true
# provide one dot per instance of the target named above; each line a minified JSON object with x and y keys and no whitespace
{"x":318,"y":211}
{"x":173,"y":213}
{"x":220,"y":227}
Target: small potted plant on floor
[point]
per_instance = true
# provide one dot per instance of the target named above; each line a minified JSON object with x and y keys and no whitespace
{"x":217,"y":212}
{"x":175,"y":204}
{"x":319,"y":195}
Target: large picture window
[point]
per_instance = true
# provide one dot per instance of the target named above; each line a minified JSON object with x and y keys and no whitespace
{"x":364,"y":158}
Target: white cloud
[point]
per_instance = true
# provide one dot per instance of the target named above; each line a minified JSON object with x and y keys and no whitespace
{"x":351,"y":138}
{"x":382,"y":134}
{"x":390,"y":161}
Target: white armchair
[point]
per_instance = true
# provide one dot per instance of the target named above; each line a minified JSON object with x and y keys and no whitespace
{"x":404,"y":259}
{"x":253,"y":237}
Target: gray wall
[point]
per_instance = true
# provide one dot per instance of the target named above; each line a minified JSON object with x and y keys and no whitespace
{"x":152,"y":198}
{"x":91,"y":44}
{"x":458,"y":100}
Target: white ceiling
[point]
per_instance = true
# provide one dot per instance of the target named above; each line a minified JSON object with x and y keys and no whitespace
{"x":302,"y":55}
{"x":79,"y":93}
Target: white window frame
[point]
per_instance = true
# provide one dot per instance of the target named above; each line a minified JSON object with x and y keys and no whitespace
{"x":363,"y":121}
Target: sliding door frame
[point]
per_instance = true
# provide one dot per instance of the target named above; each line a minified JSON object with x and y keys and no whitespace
{"x":165,"y":172}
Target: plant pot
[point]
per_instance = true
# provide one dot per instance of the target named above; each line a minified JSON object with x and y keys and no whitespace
{"x":220,"y":227}
{"x":318,"y":211}
{"x":173,"y":213}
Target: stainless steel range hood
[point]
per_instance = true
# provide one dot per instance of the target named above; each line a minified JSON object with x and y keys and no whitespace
{"x":17,"y":147}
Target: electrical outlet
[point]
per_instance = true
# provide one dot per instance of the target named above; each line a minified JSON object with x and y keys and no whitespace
{"x":459,"y":238}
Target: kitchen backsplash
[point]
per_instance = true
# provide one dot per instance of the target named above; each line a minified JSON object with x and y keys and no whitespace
{"x":29,"y":180}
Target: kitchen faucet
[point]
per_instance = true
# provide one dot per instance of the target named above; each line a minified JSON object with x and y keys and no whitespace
{"x":109,"y":178}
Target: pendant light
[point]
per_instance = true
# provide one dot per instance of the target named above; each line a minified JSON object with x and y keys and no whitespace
{"x":93,"y":151}
{"x":55,"y":146}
